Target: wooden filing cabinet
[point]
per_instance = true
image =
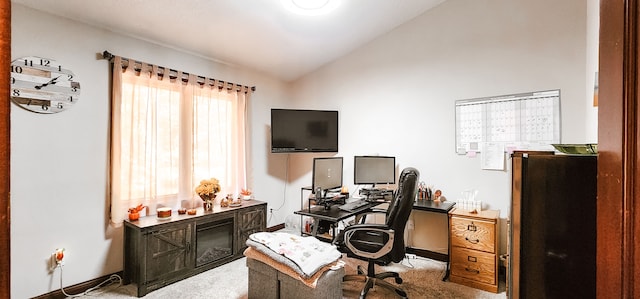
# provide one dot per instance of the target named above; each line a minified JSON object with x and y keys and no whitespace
{"x":474,"y":249}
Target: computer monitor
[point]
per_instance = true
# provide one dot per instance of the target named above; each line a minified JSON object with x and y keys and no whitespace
{"x":327,"y":174}
{"x":372,"y":170}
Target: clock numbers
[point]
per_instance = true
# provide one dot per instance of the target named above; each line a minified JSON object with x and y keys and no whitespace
{"x":39,"y":85}
{"x":75,"y":86}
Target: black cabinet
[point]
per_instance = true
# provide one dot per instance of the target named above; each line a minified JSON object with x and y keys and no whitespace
{"x":160,"y":252}
{"x":553,"y":226}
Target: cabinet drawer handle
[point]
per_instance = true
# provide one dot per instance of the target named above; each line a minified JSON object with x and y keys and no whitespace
{"x":472,"y":259}
{"x":476,"y":241}
{"x":474,"y":271}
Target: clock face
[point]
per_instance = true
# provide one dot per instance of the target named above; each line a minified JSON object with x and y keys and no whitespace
{"x":43,"y":85}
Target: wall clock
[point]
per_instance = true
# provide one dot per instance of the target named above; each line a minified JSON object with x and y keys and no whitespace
{"x":42,"y":85}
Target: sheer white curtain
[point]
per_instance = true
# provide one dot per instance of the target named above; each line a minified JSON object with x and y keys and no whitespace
{"x":168,"y":134}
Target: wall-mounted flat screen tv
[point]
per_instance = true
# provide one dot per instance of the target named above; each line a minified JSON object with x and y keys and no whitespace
{"x":294,"y":130}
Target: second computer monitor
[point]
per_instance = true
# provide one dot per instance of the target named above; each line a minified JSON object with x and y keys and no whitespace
{"x":372,"y":170}
{"x":327,"y":173}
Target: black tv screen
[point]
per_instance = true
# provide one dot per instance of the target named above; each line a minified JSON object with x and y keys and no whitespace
{"x":294,"y":130}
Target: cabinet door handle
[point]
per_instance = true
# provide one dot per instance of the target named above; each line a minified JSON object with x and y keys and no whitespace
{"x":556,"y":255}
{"x":476,"y":241}
{"x":474,"y":271}
{"x":188,"y":246}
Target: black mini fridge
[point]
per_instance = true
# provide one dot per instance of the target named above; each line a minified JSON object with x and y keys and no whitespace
{"x":552,"y":244}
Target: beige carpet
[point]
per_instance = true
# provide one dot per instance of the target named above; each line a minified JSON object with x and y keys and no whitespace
{"x":422,"y":279}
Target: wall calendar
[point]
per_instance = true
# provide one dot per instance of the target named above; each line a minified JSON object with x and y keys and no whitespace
{"x":519,"y":121}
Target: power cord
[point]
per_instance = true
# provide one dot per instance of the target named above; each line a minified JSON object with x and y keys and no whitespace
{"x":408,"y":256}
{"x":114,"y":278}
{"x":284,"y":191}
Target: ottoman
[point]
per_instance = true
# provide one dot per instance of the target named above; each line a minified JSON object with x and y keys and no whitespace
{"x":266,"y":282}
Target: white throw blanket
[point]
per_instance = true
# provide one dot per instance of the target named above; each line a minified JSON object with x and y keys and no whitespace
{"x":309,"y":253}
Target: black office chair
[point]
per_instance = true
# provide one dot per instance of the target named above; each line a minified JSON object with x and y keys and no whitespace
{"x":382,"y":243}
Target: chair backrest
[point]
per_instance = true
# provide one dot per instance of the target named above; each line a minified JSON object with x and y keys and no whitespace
{"x":400,"y":209}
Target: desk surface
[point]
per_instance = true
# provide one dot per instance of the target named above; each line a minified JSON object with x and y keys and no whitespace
{"x":431,"y":206}
{"x":334,"y":213}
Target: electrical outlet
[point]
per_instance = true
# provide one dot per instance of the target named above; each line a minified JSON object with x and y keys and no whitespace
{"x":52,"y":263}
{"x":59,"y":255}
{"x":57,"y":259}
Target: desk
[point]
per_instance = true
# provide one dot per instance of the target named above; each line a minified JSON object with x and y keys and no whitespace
{"x":431,"y":206}
{"x":333,"y":214}
{"x":442,"y":207}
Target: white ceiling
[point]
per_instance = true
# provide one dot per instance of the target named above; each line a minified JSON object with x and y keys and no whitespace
{"x":265,"y":36}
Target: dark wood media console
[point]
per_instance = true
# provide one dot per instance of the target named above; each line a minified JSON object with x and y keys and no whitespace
{"x":160,"y":252}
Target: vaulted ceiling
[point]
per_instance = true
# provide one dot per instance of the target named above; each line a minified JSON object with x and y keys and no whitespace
{"x":257,"y":34}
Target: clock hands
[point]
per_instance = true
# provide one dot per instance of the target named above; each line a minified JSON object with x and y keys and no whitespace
{"x":52,"y":81}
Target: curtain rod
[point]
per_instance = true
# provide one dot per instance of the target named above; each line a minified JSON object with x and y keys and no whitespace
{"x":185,"y":76}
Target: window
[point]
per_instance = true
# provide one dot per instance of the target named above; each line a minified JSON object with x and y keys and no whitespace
{"x":168,"y":134}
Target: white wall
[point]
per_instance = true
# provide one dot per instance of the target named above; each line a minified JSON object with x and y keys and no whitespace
{"x":593,"y":28}
{"x":395,"y":97}
{"x":59,"y":162}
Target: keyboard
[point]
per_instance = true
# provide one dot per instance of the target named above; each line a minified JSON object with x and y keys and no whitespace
{"x":354,"y":205}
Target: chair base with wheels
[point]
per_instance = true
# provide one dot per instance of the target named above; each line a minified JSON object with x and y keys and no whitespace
{"x":371,"y":279}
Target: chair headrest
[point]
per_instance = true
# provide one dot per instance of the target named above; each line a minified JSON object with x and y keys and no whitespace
{"x":402,"y":202}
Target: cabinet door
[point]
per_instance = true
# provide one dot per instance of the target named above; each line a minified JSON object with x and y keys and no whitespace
{"x":252,"y":220}
{"x":557,"y":234}
{"x":168,"y":252}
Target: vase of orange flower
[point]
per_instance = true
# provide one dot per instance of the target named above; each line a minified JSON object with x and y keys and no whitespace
{"x":208,"y":190}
